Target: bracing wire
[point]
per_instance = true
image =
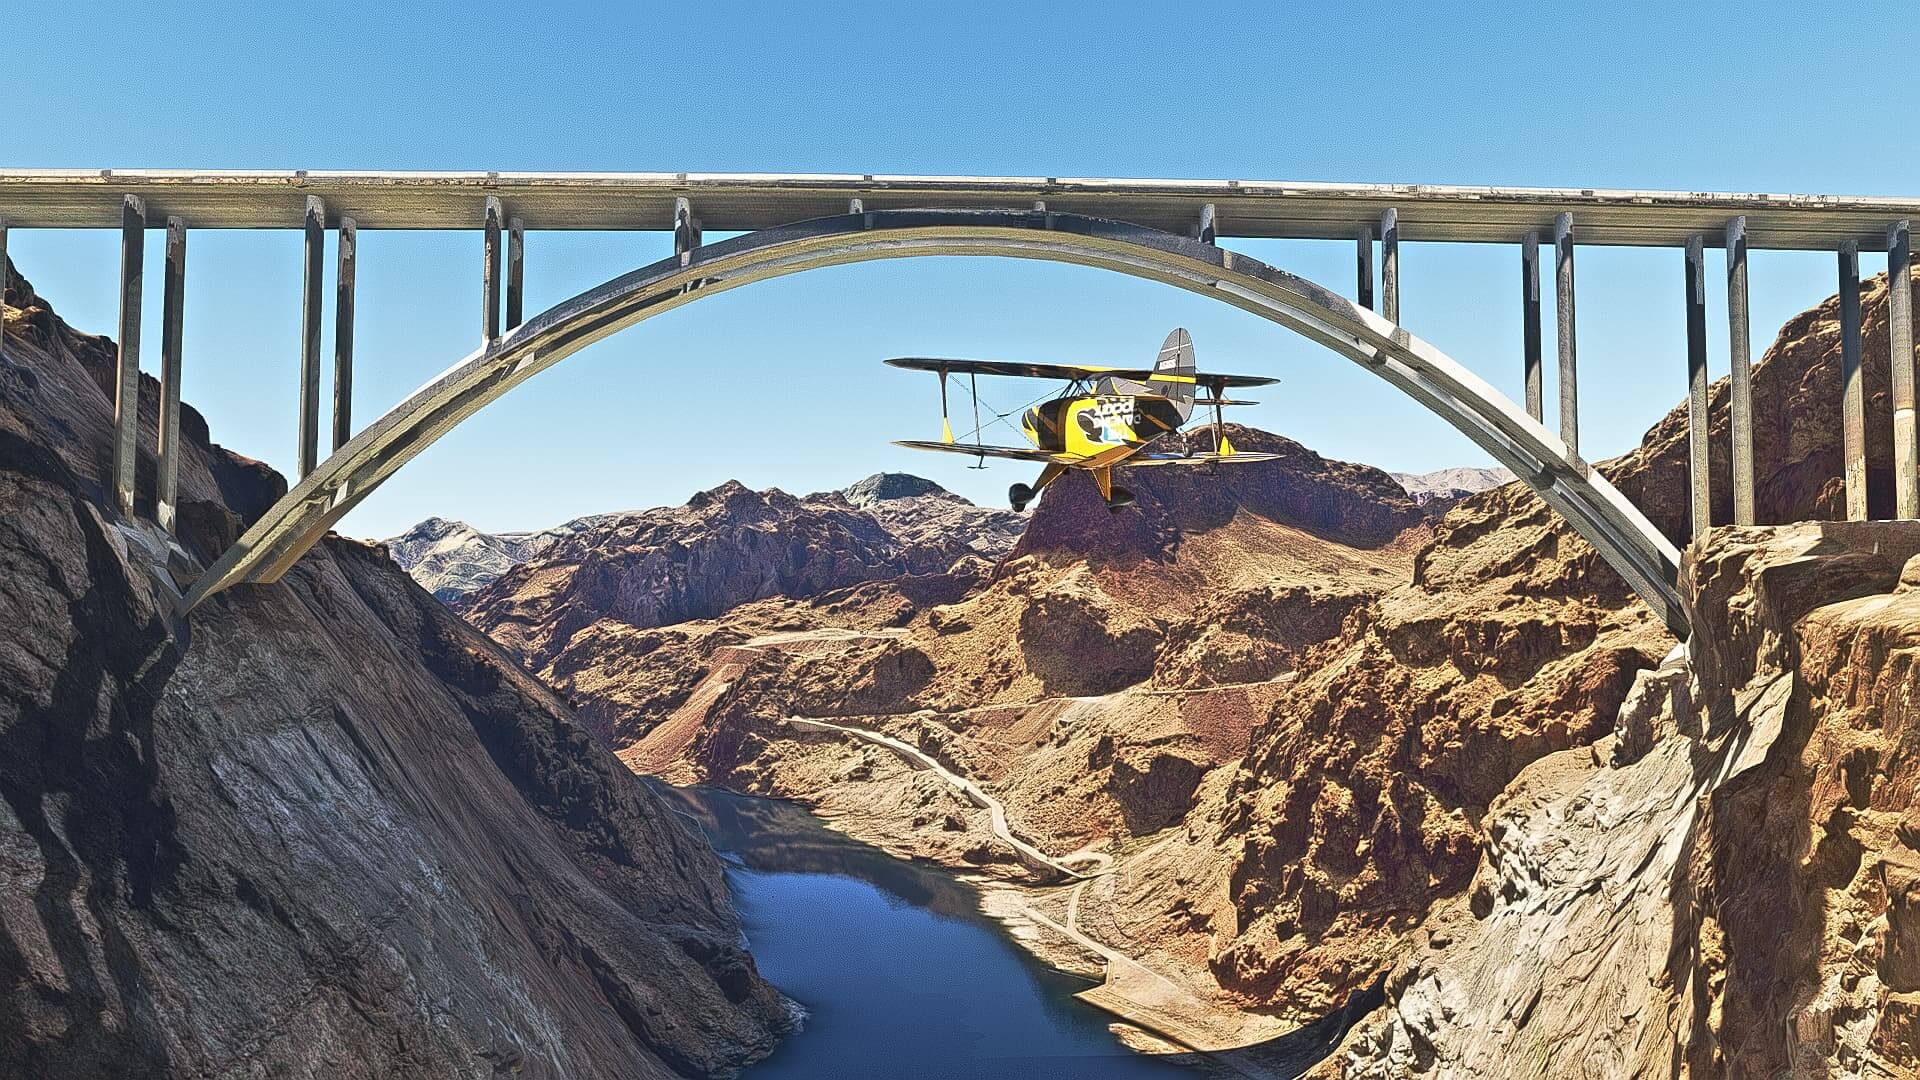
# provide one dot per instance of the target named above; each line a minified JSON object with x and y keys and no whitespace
{"x":999,"y":417}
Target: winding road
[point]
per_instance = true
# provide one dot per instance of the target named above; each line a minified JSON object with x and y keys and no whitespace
{"x":1132,"y":991}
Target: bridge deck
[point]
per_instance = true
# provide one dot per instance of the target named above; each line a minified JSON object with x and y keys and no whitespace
{"x":730,"y":202}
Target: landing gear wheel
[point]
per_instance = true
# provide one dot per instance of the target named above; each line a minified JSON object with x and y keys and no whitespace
{"x":1019,"y":495}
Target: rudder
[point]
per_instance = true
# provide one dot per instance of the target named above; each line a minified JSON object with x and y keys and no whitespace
{"x":1176,"y":358}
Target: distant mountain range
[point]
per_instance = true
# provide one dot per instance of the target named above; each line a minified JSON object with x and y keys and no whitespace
{"x":890,"y":517}
{"x":1445,"y":487}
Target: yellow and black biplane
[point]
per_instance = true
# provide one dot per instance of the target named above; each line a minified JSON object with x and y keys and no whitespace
{"x":1104,"y":419}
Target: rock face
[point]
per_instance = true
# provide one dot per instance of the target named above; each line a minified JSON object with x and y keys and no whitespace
{"x":1364,"y":800}
{"x":452,"y":558}
{"x":1739,"y":895}
{"x":729,"y":546}
{"x":323,"y":828}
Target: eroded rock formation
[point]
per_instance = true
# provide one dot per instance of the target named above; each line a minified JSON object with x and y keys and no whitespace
{"x":322,"y":829}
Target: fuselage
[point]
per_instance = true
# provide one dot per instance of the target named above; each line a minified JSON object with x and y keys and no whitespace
{"x":1101,"y":428}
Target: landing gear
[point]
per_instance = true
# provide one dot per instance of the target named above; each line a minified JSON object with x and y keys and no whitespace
{"x":1119,"y":499}
{"x":1019,"y":495}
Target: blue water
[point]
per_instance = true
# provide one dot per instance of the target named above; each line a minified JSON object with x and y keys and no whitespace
{"x":899,"y":973}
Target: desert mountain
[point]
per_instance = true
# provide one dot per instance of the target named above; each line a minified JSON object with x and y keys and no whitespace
{"x":1440,"y":489}
{"x":452,"y":558}
{"x":1284,"y":725}
{"x":729,"y":546}
{"x":325,"y":828}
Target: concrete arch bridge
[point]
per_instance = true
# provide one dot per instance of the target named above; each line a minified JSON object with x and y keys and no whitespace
{"x":1165,"y":231}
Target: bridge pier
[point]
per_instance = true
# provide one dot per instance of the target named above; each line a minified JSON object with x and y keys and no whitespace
{"x":3,"y":278}
{"x":1530,"y":321}
{"x":126,"y":384}
{"x":1205,"y":231}
{"x":1853,"y":394}
{"x":686,"y":230}
{"x":1906,"y":455}
{"x":1390,"y":265}
{"x":1363,"y":257}
{"x":172,"y":303}
{"x":1568,"y":381}
{"x":315,"y":225}
{"x":1740,"y":384}
{"x":491,"y":273}
{"x":1699,"y":457}
{"x":345,"y":255}
{"x":516,"y":271}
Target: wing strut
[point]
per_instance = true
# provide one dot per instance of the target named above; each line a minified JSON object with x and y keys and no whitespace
{"x":946,"y":427}
{"x":1220,"y":444}
{"x":974,"y":388}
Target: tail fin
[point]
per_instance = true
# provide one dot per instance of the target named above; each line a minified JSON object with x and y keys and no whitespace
{"x":1176,"y":358}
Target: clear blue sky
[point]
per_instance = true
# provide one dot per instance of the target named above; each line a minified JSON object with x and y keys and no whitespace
{"x":1704,"y":96}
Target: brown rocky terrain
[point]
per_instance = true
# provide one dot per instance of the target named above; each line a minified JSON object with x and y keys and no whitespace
{"x":1365,"y":797}
{"x":1287,"y":727}
{"x":1729,"y":884}
{"x":1095,"y":682}
{"x":727,"y":547}
{"x":321,"y":829}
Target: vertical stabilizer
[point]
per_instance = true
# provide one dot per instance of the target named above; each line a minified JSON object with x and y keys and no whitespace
{"x":1176,"y":358}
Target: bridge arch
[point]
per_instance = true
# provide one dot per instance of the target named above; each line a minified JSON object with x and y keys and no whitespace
{"x":1596,"y":510}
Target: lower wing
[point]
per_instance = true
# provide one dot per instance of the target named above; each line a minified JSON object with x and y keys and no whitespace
{"x":1193,"y":459}
{"x":1017,"y":453}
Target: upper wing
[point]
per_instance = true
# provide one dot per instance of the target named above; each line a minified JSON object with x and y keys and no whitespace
{"x":1208,"y":458}
{"x":1068,"y":371}
{"x":1018,"y":453}
{"x":1004,"y":367}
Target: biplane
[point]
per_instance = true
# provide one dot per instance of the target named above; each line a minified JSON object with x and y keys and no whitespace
{"x":1104,"y":419}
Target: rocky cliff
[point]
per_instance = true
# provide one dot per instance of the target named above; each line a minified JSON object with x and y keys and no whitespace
{"x":320,"y":829}
{"x":727,"y":547}
{"x":1726,"y":885}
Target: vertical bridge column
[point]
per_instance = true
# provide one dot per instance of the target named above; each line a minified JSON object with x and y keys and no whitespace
{"x":1699,"y":457}
{"x":1740,"y":382}
{"x":686,"y":230}
{"x":516,"y":267}
{"x":1568,"y":381}
{"x":1530,"y":321}
{"x":1390,"y":265}
{"x":126,"y":385}
{"x":1853,"y":394}
{"x":1207,"y":232}
{"x":344,"y":246}
{"x":173,"y":302}
{"x":1906,"y":455}
{"x":1363,"y":258}
{"x":316,"y":241}
{"x":3,"y":280}
{"x":490,"y":273}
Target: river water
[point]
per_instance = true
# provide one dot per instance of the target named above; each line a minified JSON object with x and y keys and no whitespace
{"x":900,"y":974}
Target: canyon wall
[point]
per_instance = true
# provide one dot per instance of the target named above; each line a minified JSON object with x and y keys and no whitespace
{"x":322,"y":828}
